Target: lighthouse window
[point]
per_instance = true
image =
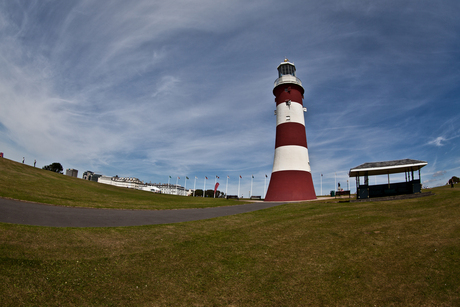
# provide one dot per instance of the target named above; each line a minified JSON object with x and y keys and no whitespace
{"x":288,"y":118}
{"x":286,"y":70}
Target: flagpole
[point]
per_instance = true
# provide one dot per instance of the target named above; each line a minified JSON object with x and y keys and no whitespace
{"x":215,"y":180}
{"x":185,"y":186}
{"x":252,"y":177}
{"x":204,"y":188}
{"x":169,"y":187}
{"x":321,"y":184}
{"x":226,"y":187}
{"x":194,"y":187}
{"x":265,"y":185}
{"x":239,"y":178}
{"x":177,"y":182}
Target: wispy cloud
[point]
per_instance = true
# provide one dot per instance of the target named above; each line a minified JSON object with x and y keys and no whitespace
{"x":439,"y":141}
{"x":439,"y":174}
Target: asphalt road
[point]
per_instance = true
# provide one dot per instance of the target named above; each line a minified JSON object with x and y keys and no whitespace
{"x":28,"y":213}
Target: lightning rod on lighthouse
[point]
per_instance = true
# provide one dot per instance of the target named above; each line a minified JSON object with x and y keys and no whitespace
{"x":291,"y":178}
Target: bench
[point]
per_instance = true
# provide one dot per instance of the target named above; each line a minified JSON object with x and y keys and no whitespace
{"x":343,"y":192}
{"x":232,"y":197}
{"x":256,"y":197}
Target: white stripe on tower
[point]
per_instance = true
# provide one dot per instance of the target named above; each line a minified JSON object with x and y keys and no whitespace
{"x":291,"y":158}
{"x":292,"y":113}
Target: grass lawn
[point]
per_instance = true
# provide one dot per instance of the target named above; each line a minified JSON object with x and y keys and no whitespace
{"x":393,"y":253}
{"x":19,"y":181}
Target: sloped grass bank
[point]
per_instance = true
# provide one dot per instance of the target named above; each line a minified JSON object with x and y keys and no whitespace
{"x":23,"y":182}
{"x":393,"y":253}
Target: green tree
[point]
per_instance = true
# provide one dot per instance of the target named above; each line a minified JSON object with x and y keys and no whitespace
{"x":209,"y":193}
{"x":54,"y":167}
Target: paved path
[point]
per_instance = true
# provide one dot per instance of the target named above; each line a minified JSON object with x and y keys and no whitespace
{"x":28,"y":213}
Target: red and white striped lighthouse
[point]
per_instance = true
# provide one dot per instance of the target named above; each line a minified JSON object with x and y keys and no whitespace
{"x":291,"y":177}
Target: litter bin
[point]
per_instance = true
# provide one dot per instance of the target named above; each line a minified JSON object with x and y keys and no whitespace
{"x":332,"y":193}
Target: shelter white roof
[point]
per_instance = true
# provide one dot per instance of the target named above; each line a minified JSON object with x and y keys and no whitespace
{"x":386,"y":167}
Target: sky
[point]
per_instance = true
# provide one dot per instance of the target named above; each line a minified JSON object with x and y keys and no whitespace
{"x":152,"y":89}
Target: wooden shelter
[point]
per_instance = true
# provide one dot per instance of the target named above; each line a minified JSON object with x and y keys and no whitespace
{"x":407,"y":166}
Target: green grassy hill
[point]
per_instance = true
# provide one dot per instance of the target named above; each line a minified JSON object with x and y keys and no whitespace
{"x":392,"y":253}
{"x":19,"y":181}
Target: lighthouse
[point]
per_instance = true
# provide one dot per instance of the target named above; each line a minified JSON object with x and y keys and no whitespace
{"x":291,"y":176}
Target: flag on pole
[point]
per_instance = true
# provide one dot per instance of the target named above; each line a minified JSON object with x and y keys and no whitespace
{"x":217,"y":177}
{"x":206,"y":177}
{"x":241,"y":177}
{"x":252,"y":176}
{"x":186,"y":177}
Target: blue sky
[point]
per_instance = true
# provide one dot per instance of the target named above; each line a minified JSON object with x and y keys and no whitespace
{"x":152,"y":89}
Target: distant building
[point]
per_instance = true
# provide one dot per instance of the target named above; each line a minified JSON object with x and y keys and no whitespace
{"x":89,"y":175}
{"x":71,"y":172}
{"x":151,"y":188}
{"x":173,"y":189}
{"x":125,"y":182}
{"x":135,"y":183}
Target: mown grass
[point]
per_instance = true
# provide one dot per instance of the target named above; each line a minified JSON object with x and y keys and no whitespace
{"x":393,"y":253}
{"x":19,"y":181}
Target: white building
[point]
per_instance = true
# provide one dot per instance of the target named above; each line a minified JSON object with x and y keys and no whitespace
{"x":151,"y":188}
{"x":135,"y":183}
{"x":174,"y":189}
{"x":125,"y":182}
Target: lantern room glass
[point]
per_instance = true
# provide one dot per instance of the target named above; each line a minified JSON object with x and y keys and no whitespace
{"x":286,"y":69}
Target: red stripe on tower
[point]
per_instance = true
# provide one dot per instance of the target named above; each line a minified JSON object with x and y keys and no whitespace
{"x":291,"y":177}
